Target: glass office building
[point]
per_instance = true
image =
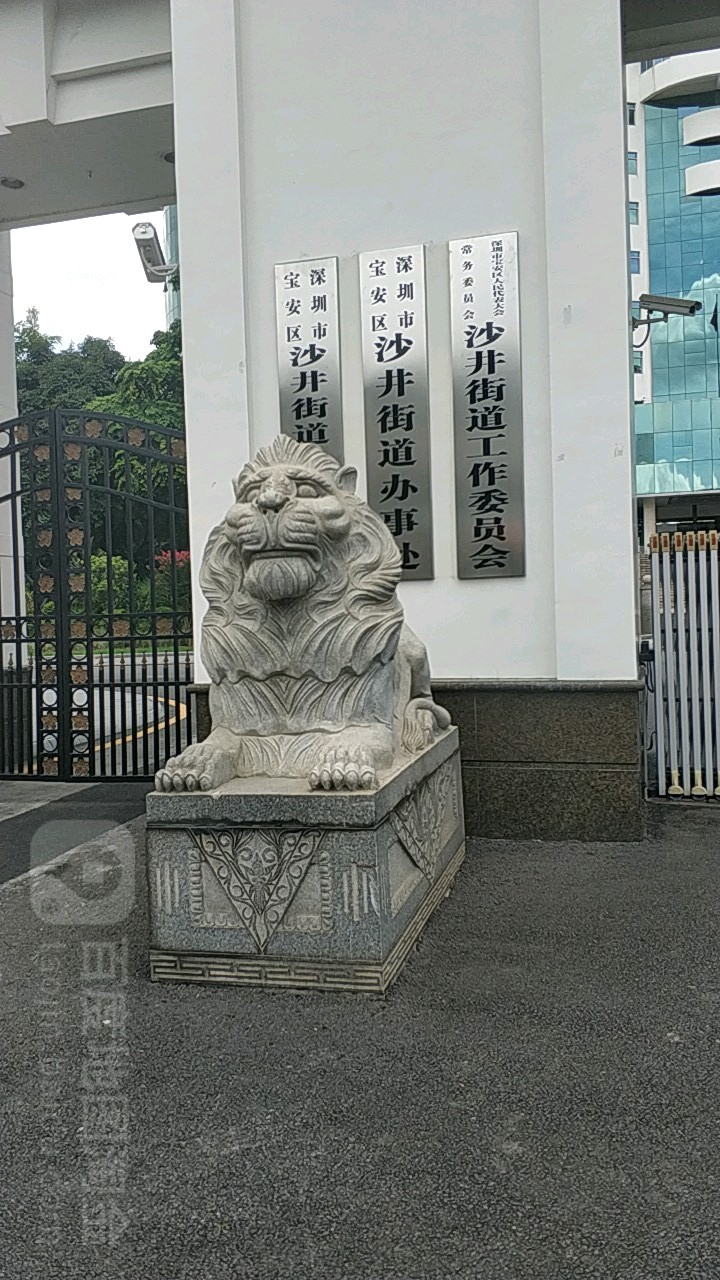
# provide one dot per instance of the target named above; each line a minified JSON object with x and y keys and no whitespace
{"x":677,"y":434}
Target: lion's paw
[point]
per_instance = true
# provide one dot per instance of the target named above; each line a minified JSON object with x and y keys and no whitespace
{"x":344,"y":769}
{"x":200,"y":767}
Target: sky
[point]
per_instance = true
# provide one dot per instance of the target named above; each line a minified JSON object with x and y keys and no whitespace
{"x":85,"y":278}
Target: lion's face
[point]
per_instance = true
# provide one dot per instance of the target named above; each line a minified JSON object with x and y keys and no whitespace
{"x":284,"y":521}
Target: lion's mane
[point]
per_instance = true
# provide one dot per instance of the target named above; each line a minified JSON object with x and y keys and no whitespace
{"x":349,"y":620}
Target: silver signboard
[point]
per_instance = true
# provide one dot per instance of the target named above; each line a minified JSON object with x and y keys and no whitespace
{"x":395,"y":377}
{"x":308,"y":343}
{"x":487,"y":395}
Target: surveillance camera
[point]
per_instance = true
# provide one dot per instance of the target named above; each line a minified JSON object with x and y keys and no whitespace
{"x":669,"y":306}
{"x":151,"y":255}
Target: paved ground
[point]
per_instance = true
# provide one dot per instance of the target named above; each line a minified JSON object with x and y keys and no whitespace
{"x":39,"y":820}
{"x":537,"y":1097}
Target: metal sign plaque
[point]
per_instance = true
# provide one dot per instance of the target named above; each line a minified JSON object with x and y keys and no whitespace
{"x":395,"y":377}
{"x":487,"y":395}
{"x":308,"y":343}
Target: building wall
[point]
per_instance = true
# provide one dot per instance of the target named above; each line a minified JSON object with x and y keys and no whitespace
{"x":677,"y":432}
{"x":637,"y":194}
{"x":333,"y":127}
{"x":361,"y":127}
{"x":338,"y":128}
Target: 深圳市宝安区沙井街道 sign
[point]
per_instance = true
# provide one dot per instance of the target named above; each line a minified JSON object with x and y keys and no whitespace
{"x":308,"y":344}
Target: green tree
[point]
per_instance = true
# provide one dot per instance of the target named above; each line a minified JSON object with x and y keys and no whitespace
{"x":49,"y":377}
{"x":94,"y":376}
{"x":150,"y":389}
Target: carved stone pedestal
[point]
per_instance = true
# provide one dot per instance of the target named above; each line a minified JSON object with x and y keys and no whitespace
{"x":266,"y":883}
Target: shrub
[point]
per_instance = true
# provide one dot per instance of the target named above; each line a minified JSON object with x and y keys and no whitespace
{"x":104,"y":570}
{"x":164,"y":562}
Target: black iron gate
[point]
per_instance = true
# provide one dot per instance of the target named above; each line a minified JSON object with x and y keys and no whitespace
{"x":95,"y":614}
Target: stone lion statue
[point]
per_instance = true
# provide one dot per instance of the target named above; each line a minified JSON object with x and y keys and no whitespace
{"x":313,"y":672}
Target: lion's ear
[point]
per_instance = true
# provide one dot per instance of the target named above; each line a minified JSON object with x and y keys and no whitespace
{"x":346,"y":479}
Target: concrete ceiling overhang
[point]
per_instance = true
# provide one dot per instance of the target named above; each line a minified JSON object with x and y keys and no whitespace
{"x":662,"y":28}
{"x":109,"y":164}
{"x":86,"y":108}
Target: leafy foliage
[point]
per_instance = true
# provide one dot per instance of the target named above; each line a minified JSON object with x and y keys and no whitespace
{"x":172,"y":585}
{"x":165,"y":596}
{"x":104,"y":571}
{"x":94,"y":375}
{"x":49,"y":377}
{"x":127,"y":547}
{"x":150,"y":389}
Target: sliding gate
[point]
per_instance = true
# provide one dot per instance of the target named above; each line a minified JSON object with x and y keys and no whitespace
{"x":95,"y":617}
{"x":685,"y":691}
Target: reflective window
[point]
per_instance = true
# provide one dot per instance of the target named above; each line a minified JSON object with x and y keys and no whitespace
{"x":634,"y":262}
{"x":632,"y":162}
{"x":631,"y":112}
{"x":680,"y":425}
{"x":645,"y":449}
{"x":638,"y":363}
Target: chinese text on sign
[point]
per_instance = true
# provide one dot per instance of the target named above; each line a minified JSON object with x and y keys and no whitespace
{"x":487,"y":395}
{"x":308,"y":341}
{"x":394,"y":347}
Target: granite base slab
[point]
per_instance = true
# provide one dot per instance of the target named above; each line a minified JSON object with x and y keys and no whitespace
{"x":265,"y":883}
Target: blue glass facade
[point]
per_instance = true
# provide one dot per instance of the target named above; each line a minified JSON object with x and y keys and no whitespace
{"x":677,"y":437}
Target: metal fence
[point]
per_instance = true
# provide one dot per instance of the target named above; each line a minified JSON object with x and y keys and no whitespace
{"x":683,"y":685}
{"x":95,"y":609}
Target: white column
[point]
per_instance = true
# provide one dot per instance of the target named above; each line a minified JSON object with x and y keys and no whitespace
{"x":8,"y":386}
{"x":8,"y":409}
{"x":649,"y":521}
{"x":588,"y":327}
{"x":209,"y":203}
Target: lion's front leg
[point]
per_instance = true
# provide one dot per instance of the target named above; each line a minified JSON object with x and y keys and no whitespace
{"x":203,"y":766}
{"x":350,"y":760}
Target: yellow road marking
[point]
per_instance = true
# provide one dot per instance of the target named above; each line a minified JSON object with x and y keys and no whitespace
{"x":182,"y":715}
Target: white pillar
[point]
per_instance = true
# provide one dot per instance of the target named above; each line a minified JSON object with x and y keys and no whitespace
{"x":8,"y":409}
{"x":588,"y":329}
{"x":209,"y":203}
{"x":649,"y":521}
{"x":8,"y":386}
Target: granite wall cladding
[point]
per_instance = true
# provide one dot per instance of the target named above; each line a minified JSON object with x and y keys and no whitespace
{"x":549,"y":760}
{"x":546,"y":760}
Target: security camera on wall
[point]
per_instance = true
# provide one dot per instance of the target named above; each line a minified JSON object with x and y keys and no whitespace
{"x":152,"y":257}
{"x":666,"y":306}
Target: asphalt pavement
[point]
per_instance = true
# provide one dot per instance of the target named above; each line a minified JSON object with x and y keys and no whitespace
{"x":537,"y":1097}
